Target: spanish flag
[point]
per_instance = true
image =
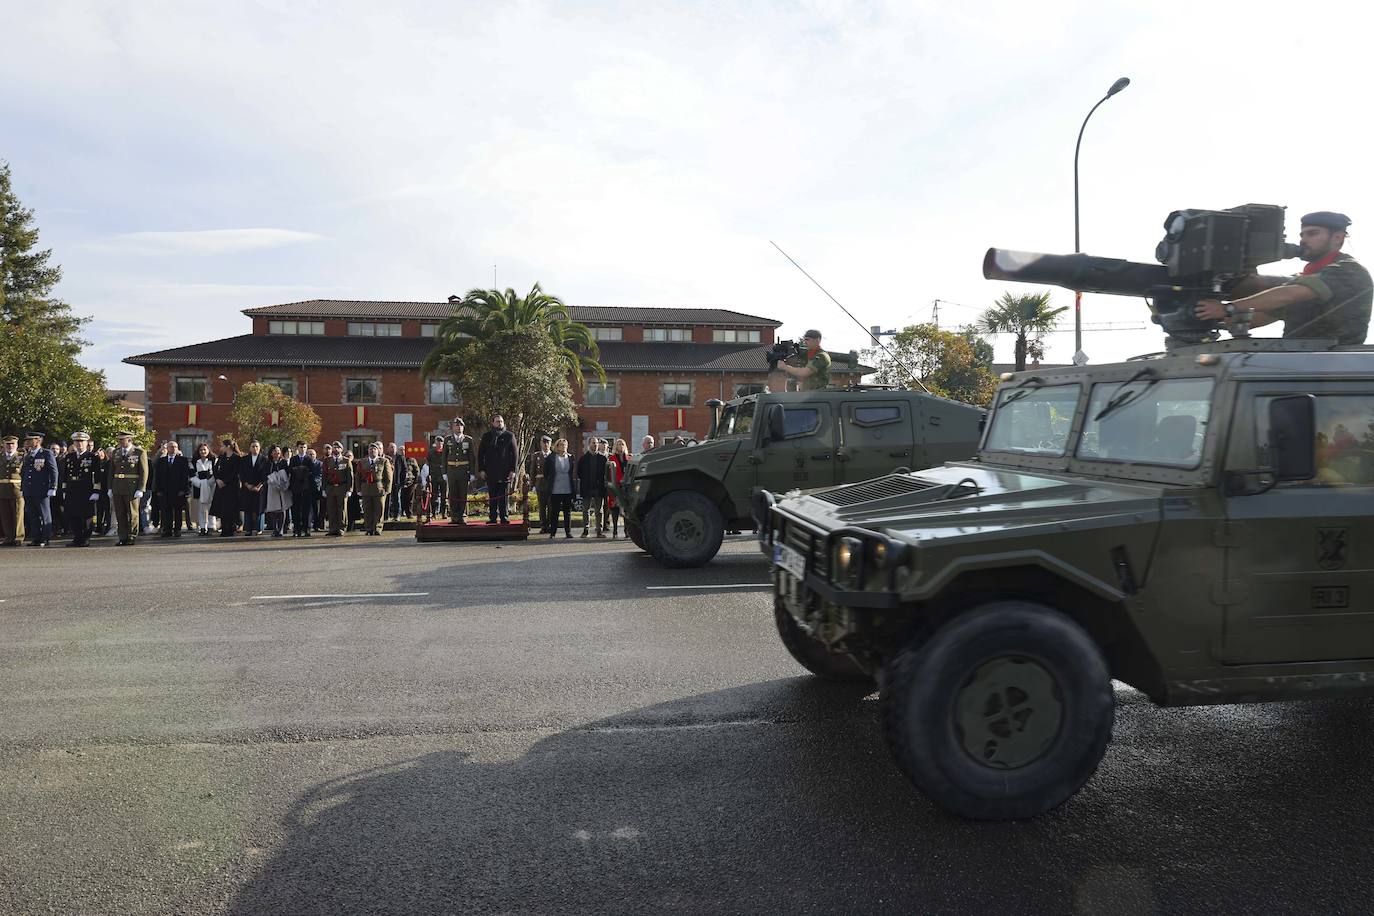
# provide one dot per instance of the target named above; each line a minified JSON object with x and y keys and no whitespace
{"x":192,"y":414}
{"x":681,"y":419}
{"x":361,"y":417}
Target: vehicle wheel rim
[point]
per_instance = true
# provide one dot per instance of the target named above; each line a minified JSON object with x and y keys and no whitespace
{"x":1008,"y":713}
{"x":685,"y":529}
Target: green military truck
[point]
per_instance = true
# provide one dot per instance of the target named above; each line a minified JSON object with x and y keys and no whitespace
{"x":1198,"y":525}
{"x":679,"y":500}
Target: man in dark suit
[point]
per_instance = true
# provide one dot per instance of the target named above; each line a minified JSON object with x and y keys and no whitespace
{"x":253,"y":469}
{"x":39,"y":477}
{"x":302,"y":471}
{"x":400,"y":478}
{"x":173,"y":482}
{"x":496,"y":462}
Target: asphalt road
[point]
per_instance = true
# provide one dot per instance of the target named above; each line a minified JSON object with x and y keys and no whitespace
{"x":534,"y":729}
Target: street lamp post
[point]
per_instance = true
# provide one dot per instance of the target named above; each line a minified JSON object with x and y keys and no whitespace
{"x":1077,"y":243}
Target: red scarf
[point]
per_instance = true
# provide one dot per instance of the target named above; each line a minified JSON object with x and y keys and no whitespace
{"x":1318,"y":266}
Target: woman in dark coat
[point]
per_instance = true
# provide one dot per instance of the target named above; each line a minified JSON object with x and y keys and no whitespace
{"x":560,"y":471}
{"x":225,"y":504}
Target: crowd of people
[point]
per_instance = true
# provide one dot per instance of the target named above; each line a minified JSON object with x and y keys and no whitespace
{"x":76,"y":491}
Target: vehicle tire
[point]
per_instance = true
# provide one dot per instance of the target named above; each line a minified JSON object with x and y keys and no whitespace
{"x":1000,"y":714}
{"x":684,"y":529}
{"x":635,"y":534}
{"x":812,"y":654}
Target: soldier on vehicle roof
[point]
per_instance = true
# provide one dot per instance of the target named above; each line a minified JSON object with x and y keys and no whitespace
{"x":814,"y":373}
{"x":1330,"y":298}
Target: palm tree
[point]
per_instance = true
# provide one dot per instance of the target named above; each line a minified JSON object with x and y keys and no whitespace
{"x":485,"y":311}
{"x":1028,"y":316}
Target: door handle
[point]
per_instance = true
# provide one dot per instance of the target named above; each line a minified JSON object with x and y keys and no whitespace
{"x":896,"y":454}
{"x":825,"y":457}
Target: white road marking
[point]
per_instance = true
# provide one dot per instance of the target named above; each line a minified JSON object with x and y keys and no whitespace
{"x":309,"y":597}
{"x":664,"y":588}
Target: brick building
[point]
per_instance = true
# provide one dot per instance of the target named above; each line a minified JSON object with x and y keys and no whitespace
{"x":357,"y":364}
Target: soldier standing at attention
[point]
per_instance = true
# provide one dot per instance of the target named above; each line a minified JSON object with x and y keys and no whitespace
{"x":438,"y":484}
{"x":81,"y":485}
{"x":374,"y":476}
{"x":497,"y":460}
{"x":301,"y":471}
{"x":39,"y":485}
{"x":338,"y":482}
{"x":1330,"y":298}
{"x":128,"y":476}
{"x":815,"y":373}
{"x":59,"y":520}
{"x":11,"y":492}
{"x":458,"y":447}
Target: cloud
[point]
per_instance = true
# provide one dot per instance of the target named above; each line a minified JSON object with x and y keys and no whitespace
{"x":204,"y":241}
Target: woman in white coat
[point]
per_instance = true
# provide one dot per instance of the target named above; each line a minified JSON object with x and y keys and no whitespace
{"x":278,"y":491}
{"x":202,"y":489}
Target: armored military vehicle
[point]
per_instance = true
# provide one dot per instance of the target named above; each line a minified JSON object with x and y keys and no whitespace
{"x":679,"y":500}
{"x":1198,"y":525}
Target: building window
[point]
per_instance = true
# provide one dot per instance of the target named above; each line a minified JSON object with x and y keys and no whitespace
{"x":730,"y":335}
{"x":608,"y":333}
{"x":188,"y":390}
{"x":742,"y":390}
{"x":295,"y":327}
{"x":361,"y":391}
{"x":677,"y":394}
{"x":374,"y":329}
{"x":676,"y":335}
{"x":286,"y":386}
{"x":429,"y":330}
{"x":602,"y":394}
{"x":443,"y":393}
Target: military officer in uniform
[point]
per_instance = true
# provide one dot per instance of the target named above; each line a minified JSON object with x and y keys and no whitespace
{"x":374,"y":478}
{"x":81,"y":489}
{"x":126,"y":480}
{"x":39,"y":485}
{"x":338,"y":482}
{"x":458,"y":449}
{"x":11,"y":492}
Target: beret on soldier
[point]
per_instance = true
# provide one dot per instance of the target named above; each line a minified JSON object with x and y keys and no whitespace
{"x":812,"y":333}
{"x":1327,"y":219}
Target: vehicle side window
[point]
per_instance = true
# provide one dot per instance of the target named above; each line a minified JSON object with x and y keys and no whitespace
{"x":801,"y":421}
{"x":877,"y":416}
{"x":1344,"y":441}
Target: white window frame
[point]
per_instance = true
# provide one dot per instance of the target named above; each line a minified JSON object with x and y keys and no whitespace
{"x":611,"y":387}
{"x":668,"y":335}
{"x":600,"y":334}
{"x":429,"y":393}
{"x":663,"y":394}
{"x":735,"y":335}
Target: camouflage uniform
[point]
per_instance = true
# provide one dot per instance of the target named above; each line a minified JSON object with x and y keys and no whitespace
{"x":11,"y":497}
{"x":1341,"y":307}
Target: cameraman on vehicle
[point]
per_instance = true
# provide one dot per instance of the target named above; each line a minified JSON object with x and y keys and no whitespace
{"x":1330,"y":298}
{"x":813,"y":373}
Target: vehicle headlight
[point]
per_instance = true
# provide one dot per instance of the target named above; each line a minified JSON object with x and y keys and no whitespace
{"x":849,"y":553}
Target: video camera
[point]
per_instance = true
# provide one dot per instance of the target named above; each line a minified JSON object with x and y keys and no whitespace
{"x":782,"y":350}
{"x":1202,"y":255}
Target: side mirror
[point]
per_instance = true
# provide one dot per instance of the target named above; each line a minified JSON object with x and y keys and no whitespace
{"x":777,"y":424}
{"x":1292,"y":437}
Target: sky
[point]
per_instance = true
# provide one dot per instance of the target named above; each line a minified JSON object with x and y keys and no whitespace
{"x":188,"y":160}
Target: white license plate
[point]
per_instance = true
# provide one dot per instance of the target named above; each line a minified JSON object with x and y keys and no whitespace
{"x":790,"y":560}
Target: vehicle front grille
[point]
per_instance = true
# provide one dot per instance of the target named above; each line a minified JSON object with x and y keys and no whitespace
{"x":811,"y":546}
{"x":881,"y":488}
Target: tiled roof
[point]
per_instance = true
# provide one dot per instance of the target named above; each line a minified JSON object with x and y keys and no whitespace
{"x":291,"y":350}
{"x":409,"y":352}
{"x":587,"y":314}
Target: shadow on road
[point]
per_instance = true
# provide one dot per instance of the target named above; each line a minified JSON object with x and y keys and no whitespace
{"x":779,"y":797}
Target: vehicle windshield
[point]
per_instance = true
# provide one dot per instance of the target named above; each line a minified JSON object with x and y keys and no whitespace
{"x":1033,"y":421}
{"x":737,"y":419}
{"x":1147,"y":421}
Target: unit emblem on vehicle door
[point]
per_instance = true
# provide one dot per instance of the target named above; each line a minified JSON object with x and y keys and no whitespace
{"x":1330,"y":548}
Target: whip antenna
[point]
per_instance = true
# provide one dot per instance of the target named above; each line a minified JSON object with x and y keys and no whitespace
{"x":892,"y":356}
